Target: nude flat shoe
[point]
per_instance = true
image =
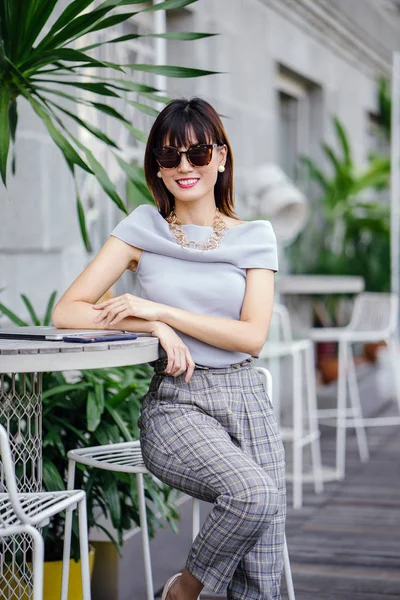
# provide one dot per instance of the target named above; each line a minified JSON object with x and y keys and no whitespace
{"x":169,"y":585}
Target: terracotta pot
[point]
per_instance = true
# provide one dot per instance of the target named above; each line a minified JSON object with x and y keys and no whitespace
{"x":371,"y":350}
{"x":325,"y":350}
{"x":328,"y":368}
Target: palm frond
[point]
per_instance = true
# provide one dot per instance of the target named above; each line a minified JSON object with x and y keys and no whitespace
{"x":39,"y":60}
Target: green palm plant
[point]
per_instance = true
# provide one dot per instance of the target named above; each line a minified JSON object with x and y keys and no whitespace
{"x":345,"y":227}
{"x":385,"y":106}
{"x":38,"y":61}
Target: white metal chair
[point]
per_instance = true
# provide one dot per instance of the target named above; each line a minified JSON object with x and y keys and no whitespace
{"x":24,"y":513}
{"x":126,"y":457}
{"x":286,"y":561}
{"x":374,"y":319}
{"x":302,"y":354}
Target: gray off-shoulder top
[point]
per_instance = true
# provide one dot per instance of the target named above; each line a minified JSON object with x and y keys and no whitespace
{"x":210,"y":282}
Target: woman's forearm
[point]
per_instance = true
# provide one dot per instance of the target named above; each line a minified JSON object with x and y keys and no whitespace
{"x":229,"y":334}
{"x":81,"y":315}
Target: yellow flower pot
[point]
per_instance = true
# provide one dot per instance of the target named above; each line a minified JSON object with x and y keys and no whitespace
{"x":52,"y":580}
{"x":53,"y":574}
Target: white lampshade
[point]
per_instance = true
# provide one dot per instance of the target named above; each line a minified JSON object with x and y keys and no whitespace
{"x":265,"y":191}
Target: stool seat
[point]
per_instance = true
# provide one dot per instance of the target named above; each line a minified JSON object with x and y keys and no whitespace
{"x":38,"y":507}
{"x":125,"y":457}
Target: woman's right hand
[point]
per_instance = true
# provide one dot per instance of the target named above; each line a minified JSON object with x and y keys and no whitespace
{"x":179,"y":357}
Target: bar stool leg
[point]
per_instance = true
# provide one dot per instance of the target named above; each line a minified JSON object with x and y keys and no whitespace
{"x":288,"y":572}
{"x":67,"y":534}
{"x":84,"y":548}
{"x":341,"y":411}
{"x":37,"y":562}
{"x":297,"y":432}
{"x":312,"y":410}
{"x":393,"y":355}
{"x":356,"y":408}
{"x":195,"y":518}
{"x":195,"y":521}
{"x":145,"y":537}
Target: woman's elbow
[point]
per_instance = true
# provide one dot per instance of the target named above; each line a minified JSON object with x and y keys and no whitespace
{"x":57,"y":317}
{"x":61,"y":315}
{"x":255,"y":345}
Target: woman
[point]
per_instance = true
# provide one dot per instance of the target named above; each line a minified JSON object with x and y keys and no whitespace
{"x":205,"y":283}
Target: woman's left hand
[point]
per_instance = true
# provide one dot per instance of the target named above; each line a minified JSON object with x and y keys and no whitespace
{"x":115,"y":310}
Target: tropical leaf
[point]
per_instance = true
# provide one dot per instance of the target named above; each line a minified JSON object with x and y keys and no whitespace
{"x":38,"y":60}
{"x":13,"y":122}
{"x":377,"y":174}
{"x":181,"y":36}
{"x":70,"y":154}
{"x":171,"y":71}
{"x":51,"y":477}
{"x":344,"y":142}
{"x":316,"y":173}
{"x":12,"y":316}
{"x":144,"y":108}
{"x":82,"y":221}
{"x":49,"y":309}
{"x":102,"y":177}
{"x":5,"y":98}
{"x":135,"y":175}
{"x":385,"y":106}
{"x":35,"y":319}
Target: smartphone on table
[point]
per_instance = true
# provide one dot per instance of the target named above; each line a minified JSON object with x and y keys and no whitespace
{"x":92,"y":338}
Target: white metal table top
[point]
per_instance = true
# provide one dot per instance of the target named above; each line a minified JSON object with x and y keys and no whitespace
{"x":26,"y":356}
{"x":319,"y":284}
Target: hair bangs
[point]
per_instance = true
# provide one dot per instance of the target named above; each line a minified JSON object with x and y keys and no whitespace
{"x":184,"y":128}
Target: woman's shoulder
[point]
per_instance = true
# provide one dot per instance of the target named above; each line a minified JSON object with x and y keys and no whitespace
{"x":144,"y":211}
{"x":258,"y":227}
{"x":255,"y":244}
{"x":144,"y":227}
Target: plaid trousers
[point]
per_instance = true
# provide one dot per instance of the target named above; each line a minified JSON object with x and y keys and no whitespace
{"x":216,"y":438}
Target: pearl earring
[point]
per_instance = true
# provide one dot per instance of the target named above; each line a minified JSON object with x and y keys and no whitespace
{"x":159,"y":174}
{"x":221,"y":168}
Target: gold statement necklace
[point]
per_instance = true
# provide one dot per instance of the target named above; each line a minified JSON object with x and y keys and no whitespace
{"x":212,"y":242}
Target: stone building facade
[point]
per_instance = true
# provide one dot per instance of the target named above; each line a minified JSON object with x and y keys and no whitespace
{"x":286,"y":67}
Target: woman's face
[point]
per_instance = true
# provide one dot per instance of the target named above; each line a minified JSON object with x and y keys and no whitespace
{"x":188,"y":183}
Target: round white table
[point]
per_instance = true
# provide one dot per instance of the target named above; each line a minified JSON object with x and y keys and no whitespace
{"x":311,"y":285}
{"x":29,"y":359}
{"x":299,"y":293}
{"x":21,"y":401}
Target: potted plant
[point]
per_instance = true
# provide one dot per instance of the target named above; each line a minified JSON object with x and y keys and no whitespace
{"x":348,"y":233}
{"x":84,"y":409}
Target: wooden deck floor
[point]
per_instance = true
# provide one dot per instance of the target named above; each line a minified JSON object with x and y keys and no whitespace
{"x":345,"y":544}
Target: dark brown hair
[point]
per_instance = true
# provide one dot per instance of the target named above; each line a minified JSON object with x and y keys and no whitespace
{"x":175,"y":124}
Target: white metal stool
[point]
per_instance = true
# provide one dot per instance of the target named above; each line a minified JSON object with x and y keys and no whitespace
{"x":23,"y":513}
{"x":127,"y":458}
{"x":302,"y":354}
{"x":374,"y":319}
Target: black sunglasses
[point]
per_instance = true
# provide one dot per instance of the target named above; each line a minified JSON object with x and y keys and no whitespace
{"x":198,"y":155}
